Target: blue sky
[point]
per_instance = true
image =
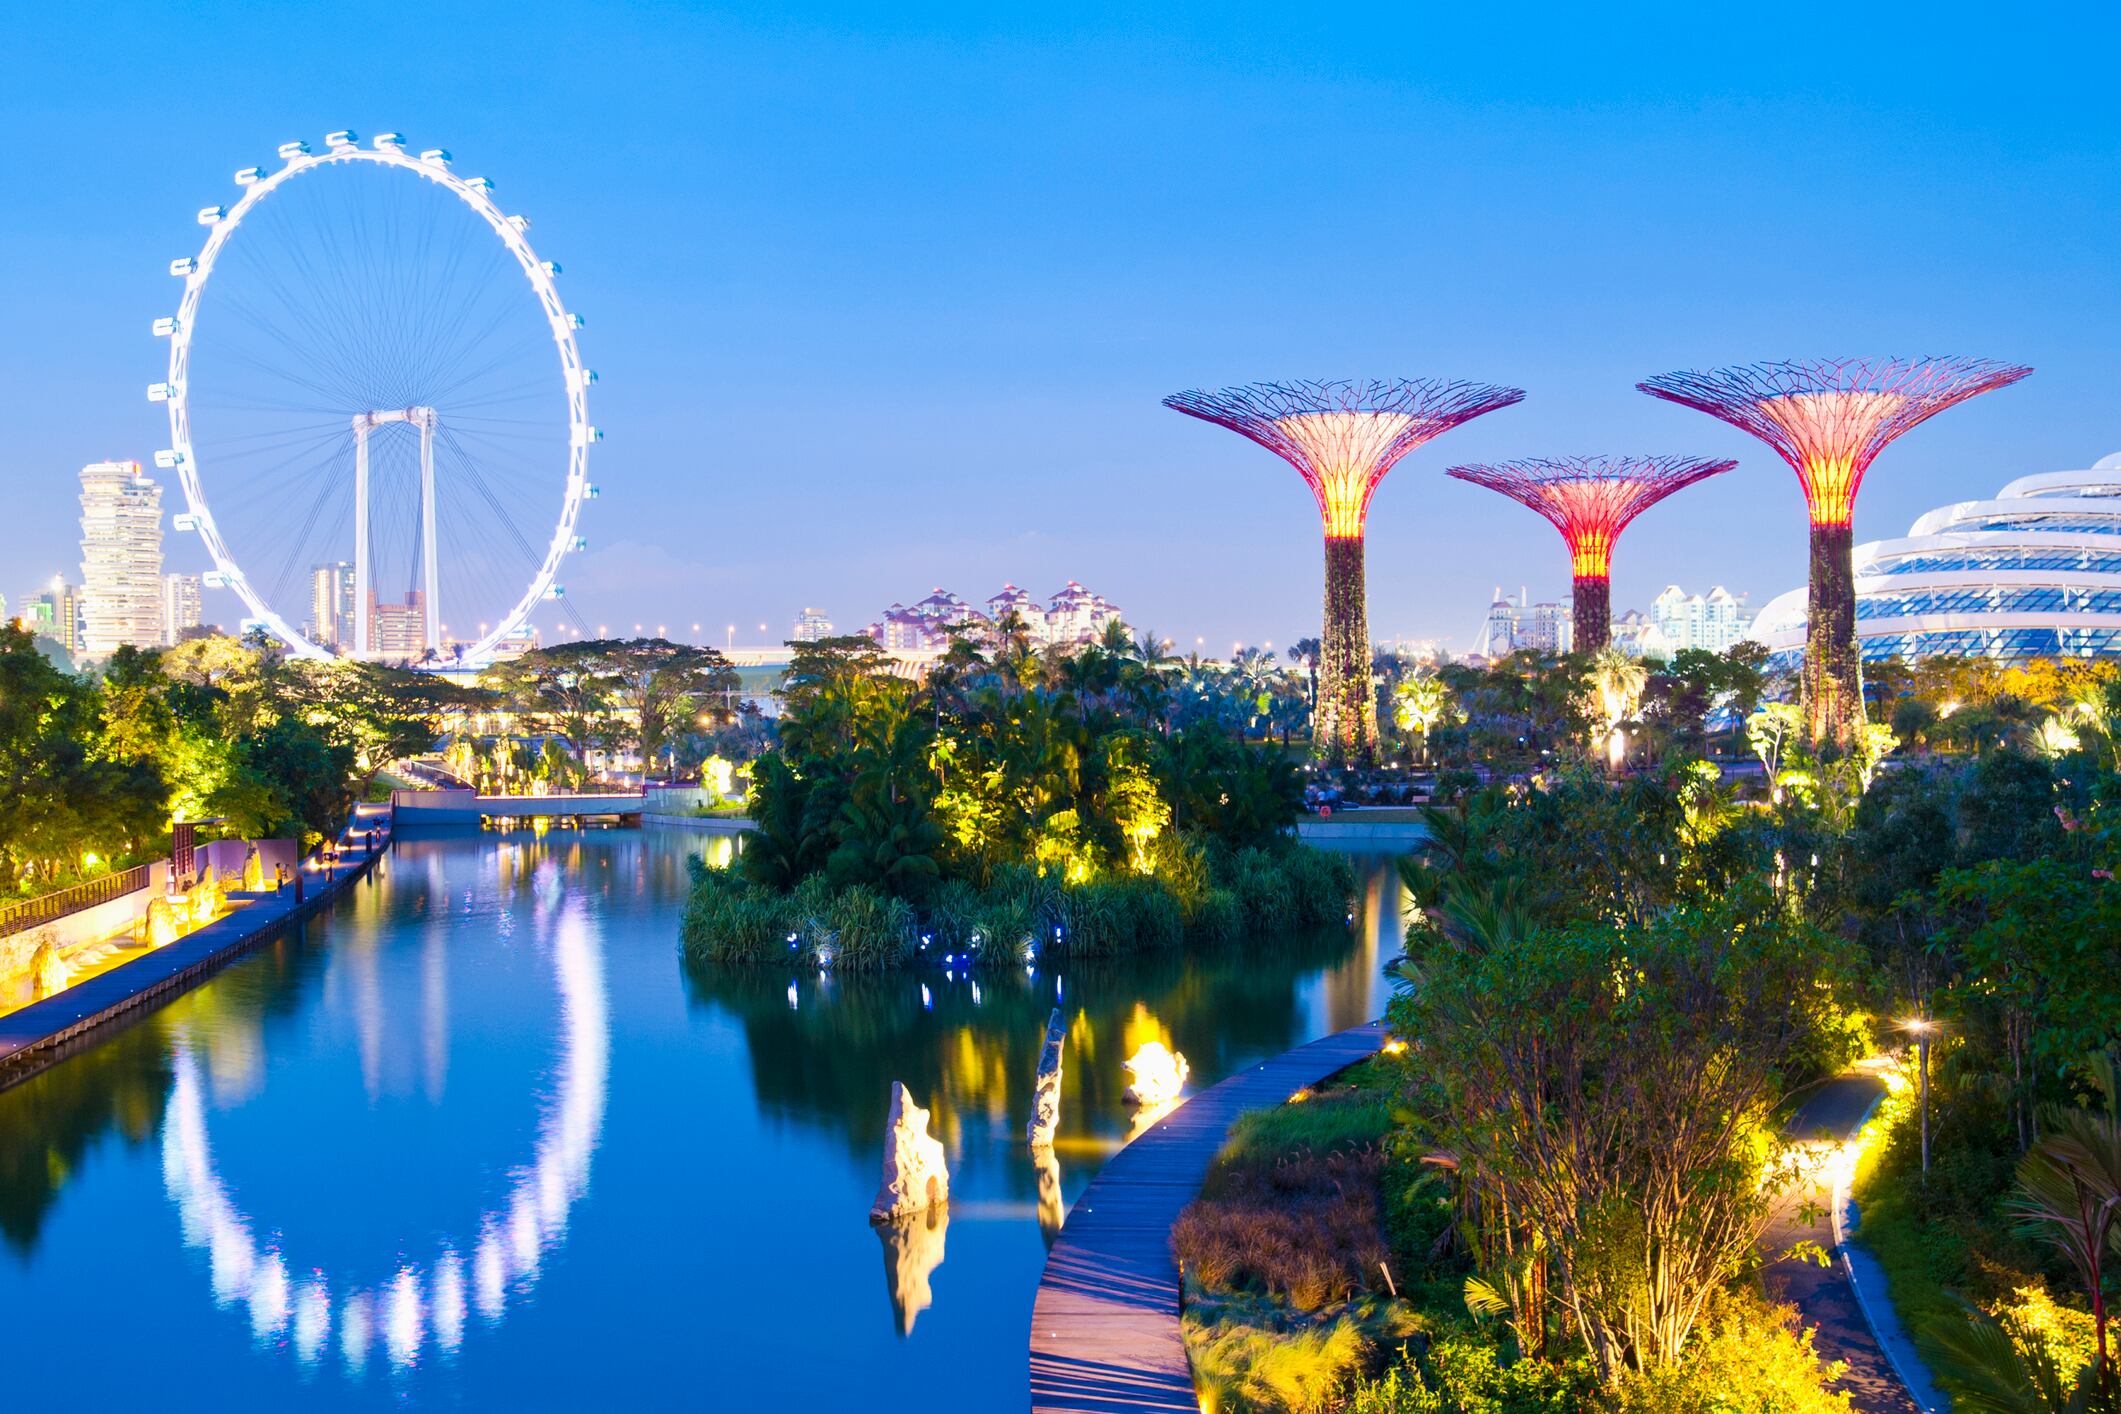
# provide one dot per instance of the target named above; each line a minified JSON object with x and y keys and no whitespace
{"x":884,"y":298}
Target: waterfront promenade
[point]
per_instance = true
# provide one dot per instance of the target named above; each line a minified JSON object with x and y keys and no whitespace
{"x":45,"y":1031}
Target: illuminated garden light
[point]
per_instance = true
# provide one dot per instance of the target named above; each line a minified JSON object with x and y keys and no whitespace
{"x":1342,"y":437}
{"x":1829,"y":420}
{"x":1590,"y":500}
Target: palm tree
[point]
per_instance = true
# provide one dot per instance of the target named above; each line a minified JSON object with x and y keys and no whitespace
{"x":2069,"y":1193}
{"x":1616,"y":686}
{"x":1419,"y":704}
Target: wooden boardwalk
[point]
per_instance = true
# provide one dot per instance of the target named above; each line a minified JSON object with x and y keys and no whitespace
{"x":45,"y":1031}
{"x":1104,"y":1329}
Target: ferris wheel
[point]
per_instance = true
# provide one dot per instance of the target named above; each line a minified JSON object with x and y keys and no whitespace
{"x":382,"y":442}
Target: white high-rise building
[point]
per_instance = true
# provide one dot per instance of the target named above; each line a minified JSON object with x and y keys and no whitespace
{"x":121,"y":559}
{"x":331,"y":605}
{"x":180,"y":606}
{"x":1710,"y":622}
{"x":811,"y":626}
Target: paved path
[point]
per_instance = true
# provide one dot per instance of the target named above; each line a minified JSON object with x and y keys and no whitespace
{"x":43,"y":1032}
{"x":1104,"y":1329}
{"x":1825,"y":1296}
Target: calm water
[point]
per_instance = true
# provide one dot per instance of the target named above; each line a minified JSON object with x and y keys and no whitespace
{"x":479,"y":1139}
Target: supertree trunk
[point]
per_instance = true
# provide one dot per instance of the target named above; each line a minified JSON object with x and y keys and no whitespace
{"x":1346,"y":721}
{"x":1833,"y":669}
{"x":1594,"y":612}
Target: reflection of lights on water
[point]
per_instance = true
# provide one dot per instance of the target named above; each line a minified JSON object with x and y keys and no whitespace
{"x":927,"y":1001}
{"x":415,"y":1303}
{"x":791,"y":996}
{"x":975,"y":994}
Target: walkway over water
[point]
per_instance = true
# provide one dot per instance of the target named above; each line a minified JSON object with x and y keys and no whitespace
{"x":1104,"y":1330}
{"x":415,"y":808}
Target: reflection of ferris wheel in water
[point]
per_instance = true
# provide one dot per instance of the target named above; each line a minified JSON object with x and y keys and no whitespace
{"x":368,"y":420}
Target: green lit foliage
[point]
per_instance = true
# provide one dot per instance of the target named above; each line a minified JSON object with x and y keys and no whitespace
{"x":1015,"y":793}
{"x":1671,"y":1040}
{"x":94,"y":768}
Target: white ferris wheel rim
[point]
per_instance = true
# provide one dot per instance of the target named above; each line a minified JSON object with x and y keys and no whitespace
{"x":473,"y":192}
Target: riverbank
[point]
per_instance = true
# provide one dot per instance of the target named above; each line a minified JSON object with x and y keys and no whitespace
{"x":44,"y":1032}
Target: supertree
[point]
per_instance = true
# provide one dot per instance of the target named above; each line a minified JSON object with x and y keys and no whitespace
{"x":1829,"y":420}
{"x":1343,"y":436}
{"x":1590,"y":500}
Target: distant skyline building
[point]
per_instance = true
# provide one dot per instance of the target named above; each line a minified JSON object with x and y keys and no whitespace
{"x":1073,"y":615}
{"x":398,"y":630}
{"x":1515,"y":623}
{"x":180,"y":606}
{"x":1709,"y":622}
{"x":331,"y":605}
{"x":121,"y":559}
{"x":811,"y":626}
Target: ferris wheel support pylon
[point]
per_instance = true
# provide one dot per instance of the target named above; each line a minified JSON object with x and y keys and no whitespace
{"x":432,"y":165}
{"x":430,"y":559}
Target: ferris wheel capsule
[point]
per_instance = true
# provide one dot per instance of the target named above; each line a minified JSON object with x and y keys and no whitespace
{"x":388,"y":142}
{"x":289,"y":151}
{"x":212,"y":215}
{"x":158,"y":392}
{"x":169,"y":459}
{"x":342,"y":139}
{"x":165,"y":327}
{"x":184,"y":265}
{"x":250,"y":176}
{"x":184,"y":520}
{"x":436,"y":157}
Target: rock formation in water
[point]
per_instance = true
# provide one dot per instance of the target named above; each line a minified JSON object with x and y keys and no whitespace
{"x":916,"y":1176}
{"x":1158,"y":1076}
{"x":913,"y":1249}
{"x":1046,"y":1094}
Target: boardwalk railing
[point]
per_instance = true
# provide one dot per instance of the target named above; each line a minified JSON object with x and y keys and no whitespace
{"x":51,"y":907}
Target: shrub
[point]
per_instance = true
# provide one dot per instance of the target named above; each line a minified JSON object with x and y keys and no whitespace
{"x":1751,"y":1358}
{"x":1248,"y":1357}
{"x":1461,"y":1371}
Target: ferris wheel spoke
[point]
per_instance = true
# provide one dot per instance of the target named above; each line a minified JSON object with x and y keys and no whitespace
{"x":299,"y":541}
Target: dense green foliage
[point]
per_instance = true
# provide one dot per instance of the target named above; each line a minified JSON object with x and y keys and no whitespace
{"x":1677,"y":944}
{"x":1288,"y":1306}
{"x":1003,"y":808}
{"x":94,"y":768}
{"x":669,"y":705}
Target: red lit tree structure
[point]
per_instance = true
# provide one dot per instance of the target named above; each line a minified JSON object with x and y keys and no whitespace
{"x":1829,"y":420}
{"x":1343,"y":437}
{"x":1590,"y":500}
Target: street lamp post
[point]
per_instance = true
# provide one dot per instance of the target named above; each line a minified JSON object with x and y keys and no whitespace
{"x":1922,"y":1027}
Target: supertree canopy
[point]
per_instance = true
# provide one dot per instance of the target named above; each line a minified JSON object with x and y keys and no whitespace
{"x":1343,"y":436}
{"x":1590,"y":500}
{"x":1829,"y":420}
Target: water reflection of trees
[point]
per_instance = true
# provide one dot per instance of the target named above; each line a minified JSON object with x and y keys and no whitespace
{"x":51,"y":1122}
{"x":829,"y":1059}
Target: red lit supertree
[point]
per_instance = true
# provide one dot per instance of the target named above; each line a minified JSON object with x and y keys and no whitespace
{"x":1590,"y":500}
{"x":1829,"y":420}
{"x":1343,"y":436}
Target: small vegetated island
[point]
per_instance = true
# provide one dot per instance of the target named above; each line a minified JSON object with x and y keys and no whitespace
{"x":1013,"y":806}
